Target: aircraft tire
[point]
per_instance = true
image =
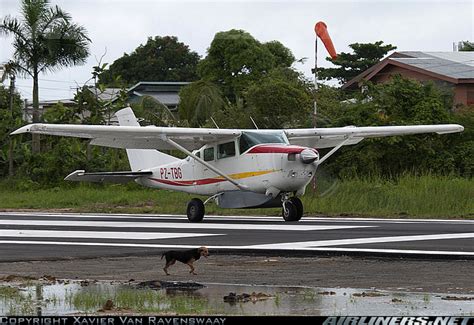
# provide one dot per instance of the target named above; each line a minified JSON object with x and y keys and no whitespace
{"x":292,"y":212}
{"x":195,"y":210}
{"x":299,"y":207}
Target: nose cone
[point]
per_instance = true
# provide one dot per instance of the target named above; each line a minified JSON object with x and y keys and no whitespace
{"x":309,"y":156}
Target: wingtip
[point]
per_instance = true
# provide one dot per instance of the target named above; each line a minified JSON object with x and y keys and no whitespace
{"x":452,"y":128}
{"x":23,"y":129}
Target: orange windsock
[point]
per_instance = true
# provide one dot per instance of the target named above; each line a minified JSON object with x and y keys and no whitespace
{"x":322,"y":32}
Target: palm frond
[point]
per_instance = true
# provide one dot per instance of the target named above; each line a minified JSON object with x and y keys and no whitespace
{"x":53,"y":16}
{"x":13,"y":26}
{"x":66,"y":44}
{"x":33,"y":11}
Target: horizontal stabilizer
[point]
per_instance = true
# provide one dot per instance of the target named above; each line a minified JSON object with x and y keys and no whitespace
{"x":112,"y":177}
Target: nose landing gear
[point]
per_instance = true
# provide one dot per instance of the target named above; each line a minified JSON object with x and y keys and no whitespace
{"x":292,"y":208}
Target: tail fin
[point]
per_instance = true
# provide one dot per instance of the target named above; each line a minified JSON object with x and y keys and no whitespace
{"x":141,"y":159}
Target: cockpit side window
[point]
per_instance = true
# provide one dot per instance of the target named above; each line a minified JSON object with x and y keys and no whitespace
{"x":226,"y":150}
{"x":249,"y":139}
{"x":209,"y":154}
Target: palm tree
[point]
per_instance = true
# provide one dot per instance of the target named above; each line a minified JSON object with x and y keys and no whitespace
{"x":44,"y":39}
{"x":199,"y":100}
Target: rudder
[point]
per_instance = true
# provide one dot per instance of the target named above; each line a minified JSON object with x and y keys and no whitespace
{"x":141,"y":159}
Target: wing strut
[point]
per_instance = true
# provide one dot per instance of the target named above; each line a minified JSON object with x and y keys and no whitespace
{"x":333,"y":150}
{"x":198,"y":159}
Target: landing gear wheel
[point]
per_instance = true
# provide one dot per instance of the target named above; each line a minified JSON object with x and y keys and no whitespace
{"x":195,"y":210}
{"x":299,"y":207}
{"x":289,"y":211}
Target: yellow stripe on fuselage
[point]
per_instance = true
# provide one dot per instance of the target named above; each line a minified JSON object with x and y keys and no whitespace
{"x":248,"y":174}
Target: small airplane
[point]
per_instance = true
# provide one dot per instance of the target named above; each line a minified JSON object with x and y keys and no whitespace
{"x":235,"y":168}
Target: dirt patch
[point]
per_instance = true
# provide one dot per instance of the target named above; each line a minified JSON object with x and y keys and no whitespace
{"x":326,"y":272}
{"x":17,"y":278}
{"x":233,"y":298}
{"x":368,"y":294}
{"x":458,"y":298}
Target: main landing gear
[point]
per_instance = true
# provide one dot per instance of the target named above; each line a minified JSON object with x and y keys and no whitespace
{"x":292,"y":208}
{"x":195,"y":210}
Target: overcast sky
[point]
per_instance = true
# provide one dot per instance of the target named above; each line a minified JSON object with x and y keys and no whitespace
{"x":120,"y":26}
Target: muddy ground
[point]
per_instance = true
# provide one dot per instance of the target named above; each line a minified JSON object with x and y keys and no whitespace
{"x":326,"y":272}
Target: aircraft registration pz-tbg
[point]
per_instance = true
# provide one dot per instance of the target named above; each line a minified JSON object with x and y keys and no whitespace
{"x":235,"y":168}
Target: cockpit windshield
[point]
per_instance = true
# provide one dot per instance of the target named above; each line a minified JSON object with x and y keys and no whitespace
{"x":249,"y":139}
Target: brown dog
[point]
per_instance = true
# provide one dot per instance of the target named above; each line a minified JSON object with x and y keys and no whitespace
{"x":187,"y":257}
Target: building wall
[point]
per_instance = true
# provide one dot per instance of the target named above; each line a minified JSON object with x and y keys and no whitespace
{"x":463,"y":93}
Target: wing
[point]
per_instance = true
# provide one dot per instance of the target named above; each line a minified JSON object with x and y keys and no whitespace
{"x":134,"y":137}
{"x":331,"y":137}
{"x":112,"y":177}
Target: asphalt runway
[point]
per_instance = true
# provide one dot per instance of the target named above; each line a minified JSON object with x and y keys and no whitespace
{"x":37,"y":236}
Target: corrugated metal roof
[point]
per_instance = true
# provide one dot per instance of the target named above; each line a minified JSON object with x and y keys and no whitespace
{"x":457,"y":65}
{"x":171,"y":99}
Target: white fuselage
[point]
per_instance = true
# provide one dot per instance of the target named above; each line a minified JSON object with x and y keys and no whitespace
{"x":263,"y":167}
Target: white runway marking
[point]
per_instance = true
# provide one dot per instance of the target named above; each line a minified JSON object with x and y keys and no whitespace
{"x":356,"y":241}
{"x":158,"y":225}
{"x":97,"y":234}
{"x":320,"y":249}
{"x":228,"y":218}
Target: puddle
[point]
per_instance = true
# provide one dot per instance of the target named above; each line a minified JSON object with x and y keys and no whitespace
{"x":153,"y":297}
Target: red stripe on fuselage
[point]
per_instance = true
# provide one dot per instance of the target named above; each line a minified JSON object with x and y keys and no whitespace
{"x":203,"y":181}
{"x":266,"y":148}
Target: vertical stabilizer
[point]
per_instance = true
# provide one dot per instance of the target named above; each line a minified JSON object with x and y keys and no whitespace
{"x":141,"y":159}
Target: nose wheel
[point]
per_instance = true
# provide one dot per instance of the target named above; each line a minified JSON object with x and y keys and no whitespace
{"x":292,"y":209}
{"x":195,"y":210}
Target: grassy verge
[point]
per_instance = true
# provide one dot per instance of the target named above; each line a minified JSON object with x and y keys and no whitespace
{"x":410,"y":196}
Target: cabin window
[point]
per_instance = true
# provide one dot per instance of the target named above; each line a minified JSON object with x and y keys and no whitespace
{"x":209,"y":154}
{"x":249,"y":139}
{"x":226,"y":150}
{"x":198,"y":154}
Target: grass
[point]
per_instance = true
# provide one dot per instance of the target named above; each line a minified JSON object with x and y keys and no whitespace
{"x":409,"y":196}
{"x":142,"y":301}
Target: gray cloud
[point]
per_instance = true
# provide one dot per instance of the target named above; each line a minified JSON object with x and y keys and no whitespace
{"x":120,"y":26}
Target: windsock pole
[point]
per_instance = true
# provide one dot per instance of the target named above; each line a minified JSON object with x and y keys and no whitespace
{"x":315,"y":108}
{"x":321,"y":31}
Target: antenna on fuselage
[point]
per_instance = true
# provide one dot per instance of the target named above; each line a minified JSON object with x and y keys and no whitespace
{"x":255,"y":124}
{"x":217,"y":126}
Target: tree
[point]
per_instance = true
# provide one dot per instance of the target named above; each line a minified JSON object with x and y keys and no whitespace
{"x":277,"y":103}
{"x":235,"y":59}
{"x":400,"y":101}
{"x":351,"y":64}
{"x":466,"y":46}
{"x":279,"y":100}
{"x":44,"y":40}
{"x":160,"y":59}
{"x":199,"y":101}
{"x":282,"y":54}
{"x":10,"y":119}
